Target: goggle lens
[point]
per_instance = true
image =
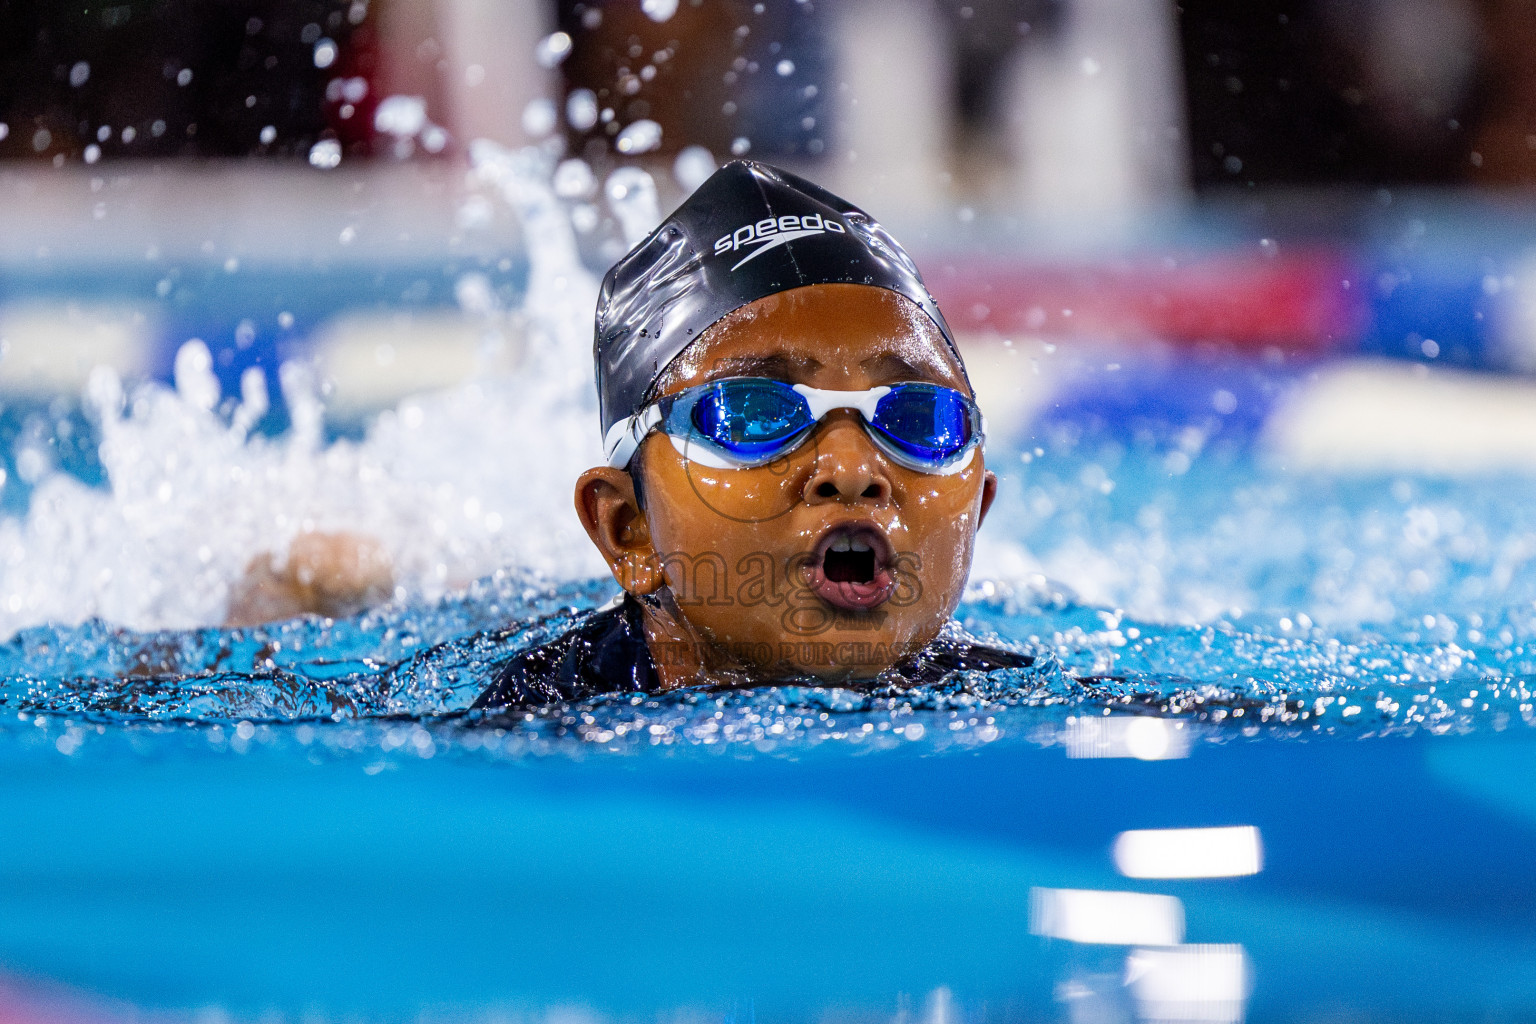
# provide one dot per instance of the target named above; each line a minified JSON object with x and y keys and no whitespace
{"x":929,"y":423}
{"x":750,"y":418}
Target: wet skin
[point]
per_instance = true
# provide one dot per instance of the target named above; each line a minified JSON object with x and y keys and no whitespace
{"x":832,"y":562}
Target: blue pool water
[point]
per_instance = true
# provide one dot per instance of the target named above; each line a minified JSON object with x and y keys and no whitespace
{"x":301,"y":822}
{"x":292,"y":819}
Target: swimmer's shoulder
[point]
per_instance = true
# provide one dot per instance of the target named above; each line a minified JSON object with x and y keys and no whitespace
{"x":956,"y":650}
{"x":604,"y":651}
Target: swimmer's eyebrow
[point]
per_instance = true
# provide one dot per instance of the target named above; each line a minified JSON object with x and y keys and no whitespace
{"x":889,"y":368}
{"x":778,"y":366}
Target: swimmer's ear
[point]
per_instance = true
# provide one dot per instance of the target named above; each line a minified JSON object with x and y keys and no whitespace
{"x":607,"y":507}
{"x":988,"y":496}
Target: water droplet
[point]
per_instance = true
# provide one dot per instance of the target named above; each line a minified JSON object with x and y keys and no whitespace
{"x":539,"y":117}
{"x":659,"y":10}
{"x":325,"y":154}
{"x":632,"y":197}
{"x":474,"y":294}
{"x":693,"y":167}
{"x":585,"y":218}
{"x":184,"y":76}
{"x":92,"y":153}
{"x":740,"y":146}
{"x":79,"y":74}
{"x":581,"y":109}
{"x":785,"y":68}
{"x":325,"y":53}
{"x":193,"y":373}
{"x":400,"y":116}
{"x":434,"y":139}
{"x":574,"y":180}
{"x":552,"y":49}
{"x":641,"y":136}
{"x":268,"y":135}
{"x":31,"y":465}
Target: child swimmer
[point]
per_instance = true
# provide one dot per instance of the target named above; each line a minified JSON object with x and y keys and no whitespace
{"x":795,"y":470}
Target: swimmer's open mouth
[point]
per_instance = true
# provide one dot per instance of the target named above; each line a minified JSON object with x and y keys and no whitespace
{"x":851,"y":567}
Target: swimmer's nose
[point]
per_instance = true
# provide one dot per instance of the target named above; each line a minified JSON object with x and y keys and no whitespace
{"x":848,"y":467}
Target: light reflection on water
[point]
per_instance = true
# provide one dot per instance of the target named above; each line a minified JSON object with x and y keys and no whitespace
{"x":1222,"y":852}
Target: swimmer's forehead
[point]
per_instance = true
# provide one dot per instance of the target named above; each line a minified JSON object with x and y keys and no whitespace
{"x":832,"y":336}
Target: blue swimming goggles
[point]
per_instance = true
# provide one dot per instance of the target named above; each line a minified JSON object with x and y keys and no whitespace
{"x":742,"y":422}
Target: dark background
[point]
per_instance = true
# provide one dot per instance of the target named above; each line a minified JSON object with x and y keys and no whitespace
{"x":1278,"y":92}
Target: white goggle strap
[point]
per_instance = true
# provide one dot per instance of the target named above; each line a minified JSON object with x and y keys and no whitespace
{"x":624,"y":437}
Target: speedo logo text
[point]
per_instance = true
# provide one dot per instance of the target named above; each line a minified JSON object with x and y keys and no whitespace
{"x":775,"y":231}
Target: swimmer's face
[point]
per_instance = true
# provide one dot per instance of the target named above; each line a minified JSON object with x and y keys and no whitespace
{"x":833,"y":561}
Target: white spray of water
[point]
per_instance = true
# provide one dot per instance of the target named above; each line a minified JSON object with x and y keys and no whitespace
{"x":574,"y":180}
{"x":454,"y":484}
{"x":693,"y":167}
{"x":632,"y":198}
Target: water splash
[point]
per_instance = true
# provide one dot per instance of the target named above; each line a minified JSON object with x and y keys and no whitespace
{"x":448,"y":483}
{"x":1228,"y":594}
{"x":632,"y":197}
{"x":692,"y":167}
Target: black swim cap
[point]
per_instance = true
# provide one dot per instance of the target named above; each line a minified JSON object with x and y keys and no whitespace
{"x":749,"y":231}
